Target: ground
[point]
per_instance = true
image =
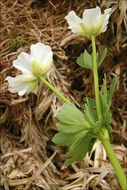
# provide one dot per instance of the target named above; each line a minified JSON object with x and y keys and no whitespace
{"x":29,"y":158}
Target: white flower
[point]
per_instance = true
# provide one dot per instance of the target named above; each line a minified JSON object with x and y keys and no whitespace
{"x":92,"y":23}
{"x":32,"y":66}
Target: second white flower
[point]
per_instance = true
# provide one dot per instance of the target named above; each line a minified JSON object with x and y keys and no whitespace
{"x":92,"y":23}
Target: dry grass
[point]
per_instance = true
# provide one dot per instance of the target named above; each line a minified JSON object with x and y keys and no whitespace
{"x":29,"y":159}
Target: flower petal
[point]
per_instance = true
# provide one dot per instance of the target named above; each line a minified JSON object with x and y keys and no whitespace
{"x":23,"y":62}
{"x":107,"y":11}
{"x":89,"y":15}
{"x":33,"y":87}
{"x":41,"y":53}
{"x":97,"y":27}
{"x":74,"y":21}
{"x":17,"y":84}
{"x":107,"y":15}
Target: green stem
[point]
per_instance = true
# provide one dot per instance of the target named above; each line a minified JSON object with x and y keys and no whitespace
{"x":104,"y":136}
{"x":54,"y":89}
{"x":96,"y":84}
{"x":114,"y":161}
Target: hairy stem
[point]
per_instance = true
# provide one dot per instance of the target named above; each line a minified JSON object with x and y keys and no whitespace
{"x":54,"y":89}
{"x":96,"y":84}
{"x":103,"y":135}
{"x":114,"y":161}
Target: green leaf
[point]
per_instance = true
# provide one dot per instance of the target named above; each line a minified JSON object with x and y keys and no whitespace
{"x":108,"y":115}
{"x":75,"y":132}
{"x":99,"y":126}
{"x":94,"y":113}
{"x":91,"y":101}
{"x":71,"y":119}
{"x":85,"y":60}
{"x":106,"y":97}
{"x":90,"y":111}
{"x":112,"y":88}
{"x":79,"y":148}
{"x":89,"y":116}
{"x":64,"y":139}
{"x":91,"y":104}
{"x":102,"y":57}
{"x":109,"y":128}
